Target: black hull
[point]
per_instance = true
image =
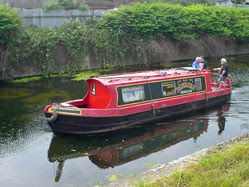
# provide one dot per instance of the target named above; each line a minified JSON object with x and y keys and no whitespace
{"x":93,"y":125}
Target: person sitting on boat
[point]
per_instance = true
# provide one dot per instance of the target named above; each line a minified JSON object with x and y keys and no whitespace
{"x":223,"y":72}
{"x":195,"y":64}
{"x":203,"y":64}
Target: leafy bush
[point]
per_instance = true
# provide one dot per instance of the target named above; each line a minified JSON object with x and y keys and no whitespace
{"x":10,"y":22}
{"x":65,"y":4}
{"x":131,"y":27}
{"x":126,"y":32}
{"x":83,"y":6}
{"x":175,"y":21}
{"x":37,"y":45}
{"x":52,"y":5}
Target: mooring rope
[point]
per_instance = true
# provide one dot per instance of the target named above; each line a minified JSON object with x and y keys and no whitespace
{"x":54,"y":114}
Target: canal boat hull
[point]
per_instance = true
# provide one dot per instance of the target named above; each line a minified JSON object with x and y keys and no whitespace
{"x":91,"y":125}
{"x":127,"y":100}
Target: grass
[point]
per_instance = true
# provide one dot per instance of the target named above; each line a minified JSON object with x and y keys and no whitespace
{"x":226,"y":167}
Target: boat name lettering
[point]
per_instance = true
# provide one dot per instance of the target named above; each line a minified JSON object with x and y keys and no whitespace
{"x":185,"y":85}
{"x":185,"y":80}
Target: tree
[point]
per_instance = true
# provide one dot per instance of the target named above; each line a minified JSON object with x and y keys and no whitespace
{"x":10,"y":23}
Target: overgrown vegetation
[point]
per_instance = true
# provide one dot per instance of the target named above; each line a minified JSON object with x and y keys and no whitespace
{"x":176,"y":22}
{"x":10,"y":24}
{"x":229,"y":167}
{"x":132,"y":27}
{"x":38,"y":44}
{"x":126,"y":33}
{"x":65,"y":4}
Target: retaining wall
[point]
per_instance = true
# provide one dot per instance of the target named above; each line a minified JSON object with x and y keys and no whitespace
{"x":38,"y":17}
{"x":28,"y":4}
{"x":166,"y":52}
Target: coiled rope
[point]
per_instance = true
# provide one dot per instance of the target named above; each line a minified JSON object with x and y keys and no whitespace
{"x":54,"y":114}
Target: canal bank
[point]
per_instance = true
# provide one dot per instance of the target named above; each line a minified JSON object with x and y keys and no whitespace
{"x":166,"y":52}
{"x":151,"y":176}
{"x":143,"y":34}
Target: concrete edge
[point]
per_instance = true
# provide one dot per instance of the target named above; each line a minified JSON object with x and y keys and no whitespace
{"x":170,"y":167}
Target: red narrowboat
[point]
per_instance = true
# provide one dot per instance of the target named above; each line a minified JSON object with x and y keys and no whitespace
{"x":125,"y":100}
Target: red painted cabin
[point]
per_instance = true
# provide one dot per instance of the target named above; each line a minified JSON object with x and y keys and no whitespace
{"x":123,"y":100}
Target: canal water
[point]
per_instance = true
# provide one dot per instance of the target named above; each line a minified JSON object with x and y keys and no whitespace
{"x":31,"y":155}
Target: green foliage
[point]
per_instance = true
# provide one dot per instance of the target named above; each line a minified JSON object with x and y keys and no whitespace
{"x":89,"y":73}
{"x":51,"y":5}
{"x":83,"y":6}
{"x":64,"y":4}
{"x":115,"y":177}
{"x":122,"y":34}
{"x":151,"y":165}
{"x":27,"y":79}
{"x":10,"y":22}
{"x":130,"y":29}
{"x":37,"y":45}
{"x":228,"y":167}
{"x":175,"y":21}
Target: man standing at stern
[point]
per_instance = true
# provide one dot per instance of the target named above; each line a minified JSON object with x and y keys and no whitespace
{"x":223,"y":72}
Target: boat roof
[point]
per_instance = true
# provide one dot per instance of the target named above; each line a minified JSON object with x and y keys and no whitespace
{"x":141,"y":76}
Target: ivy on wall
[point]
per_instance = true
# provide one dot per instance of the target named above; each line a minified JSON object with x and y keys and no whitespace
{"x":131,"y":27}
{"x":124,"y":33}
{"x":37,"y":45}
{"x":10,"y":24}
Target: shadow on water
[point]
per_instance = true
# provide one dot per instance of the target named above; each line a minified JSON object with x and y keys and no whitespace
{"x":118,"y":148}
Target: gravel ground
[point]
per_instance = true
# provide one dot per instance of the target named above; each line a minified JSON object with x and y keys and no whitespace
{"x":171,"y":167}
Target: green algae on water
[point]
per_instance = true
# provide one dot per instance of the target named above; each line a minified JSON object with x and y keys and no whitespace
{"x":27,"y":79}
{"x":89,"y":73}
{"x":115,"y":177}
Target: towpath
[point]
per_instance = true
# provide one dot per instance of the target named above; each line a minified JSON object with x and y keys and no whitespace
{"x":169,"y":168}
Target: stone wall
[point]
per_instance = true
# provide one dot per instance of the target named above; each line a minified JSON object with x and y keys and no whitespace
{"x":33,"y":15}
{"x":38,"y":17}
{"x":28,"y":4}
{"x":166,"y":52}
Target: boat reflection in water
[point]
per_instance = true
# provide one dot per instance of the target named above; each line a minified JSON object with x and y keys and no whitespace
{"x":116,"y":149}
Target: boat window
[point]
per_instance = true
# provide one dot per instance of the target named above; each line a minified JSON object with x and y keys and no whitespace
{"x":168,"y":88}
{"x":93,"y":89}
{"x":134,"y":93}
{"x":198,"y":84}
